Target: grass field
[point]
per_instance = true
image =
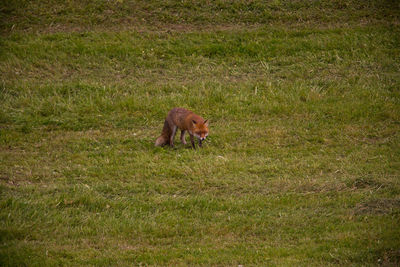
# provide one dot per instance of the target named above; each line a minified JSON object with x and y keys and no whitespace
{"x":301,"y":167}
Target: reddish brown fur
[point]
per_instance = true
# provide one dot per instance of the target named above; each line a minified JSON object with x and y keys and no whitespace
{"x":185,"y":120}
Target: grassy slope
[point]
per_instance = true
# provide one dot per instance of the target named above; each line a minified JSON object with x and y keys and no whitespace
{"x":301,"y":166}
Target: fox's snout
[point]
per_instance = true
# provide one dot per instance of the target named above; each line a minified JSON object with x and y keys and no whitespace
{"x":201,"y":136}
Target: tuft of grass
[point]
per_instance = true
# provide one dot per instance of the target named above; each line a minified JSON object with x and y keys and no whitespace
{"x":301,"y":166}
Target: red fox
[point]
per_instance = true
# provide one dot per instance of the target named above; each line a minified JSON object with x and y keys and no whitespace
{"x":185,"y":120}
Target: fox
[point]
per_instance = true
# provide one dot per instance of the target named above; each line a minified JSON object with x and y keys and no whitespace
{"x":186,"y":121}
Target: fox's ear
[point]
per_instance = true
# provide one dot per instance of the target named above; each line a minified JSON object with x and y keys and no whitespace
{"x":206,"y":122}
{"x":194,"y":122}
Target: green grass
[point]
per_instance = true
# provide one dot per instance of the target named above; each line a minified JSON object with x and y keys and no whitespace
{"x":301,"y":167}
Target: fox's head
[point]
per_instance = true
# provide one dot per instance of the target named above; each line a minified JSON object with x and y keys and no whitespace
{"x":200,"y":129}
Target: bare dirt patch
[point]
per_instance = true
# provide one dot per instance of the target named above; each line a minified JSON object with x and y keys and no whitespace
{"x":378,"y":206}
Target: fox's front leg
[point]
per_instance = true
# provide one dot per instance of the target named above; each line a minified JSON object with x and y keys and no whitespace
{"x":192,"y":140}
{"x":183,"y":137}
{"x":171,"y":139}
{"x":200,"y":143}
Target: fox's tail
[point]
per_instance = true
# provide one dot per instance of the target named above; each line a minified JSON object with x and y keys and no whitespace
{"x":164,"y":137}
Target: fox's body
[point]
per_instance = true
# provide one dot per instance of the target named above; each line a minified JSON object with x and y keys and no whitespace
{"x":185,"y":120}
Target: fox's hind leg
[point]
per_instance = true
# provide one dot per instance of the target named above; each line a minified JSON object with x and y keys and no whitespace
{"x":171,"y":140}
{"x":183,"y":137}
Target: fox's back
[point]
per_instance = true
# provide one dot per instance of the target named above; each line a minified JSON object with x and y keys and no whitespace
{"x":178,"y":116}
{"x":183,"y":118}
